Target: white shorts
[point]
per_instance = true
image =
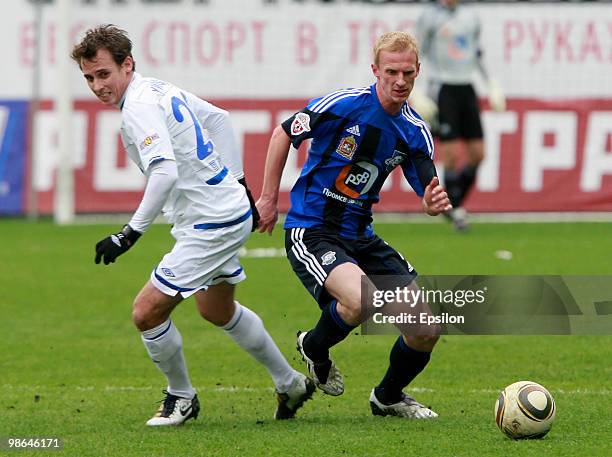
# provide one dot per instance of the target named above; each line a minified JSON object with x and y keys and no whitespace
{"x":201,"y":258}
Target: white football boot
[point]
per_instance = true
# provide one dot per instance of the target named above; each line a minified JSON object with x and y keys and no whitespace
{"x":406,"y":407}
{"x":175,"y":410}
{"x":289,"y":402}
{"x":335,"y":381}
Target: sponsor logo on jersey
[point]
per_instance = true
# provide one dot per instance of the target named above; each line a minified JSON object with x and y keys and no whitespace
{"x":354,"y":130}
{"x":347,"y":147}
{"x":300,"y":124}
{"x":356,"y":179}
{"x":168,"y":272}
{"x":393,"y":161}
{"x":328,"y":258}
{"x":148,"y":141}
{"x":341,"y":198}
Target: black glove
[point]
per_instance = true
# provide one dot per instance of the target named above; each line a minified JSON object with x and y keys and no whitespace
{"x":252,"y":202}
{"x":114,"y":245}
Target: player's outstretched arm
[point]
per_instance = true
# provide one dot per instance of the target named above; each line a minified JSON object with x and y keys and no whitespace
{"x":435,"y":199}
{"x":267,"y":205}
{"x":161,"y":178}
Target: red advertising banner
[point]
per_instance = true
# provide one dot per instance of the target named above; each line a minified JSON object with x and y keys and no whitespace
{"x":541,"y":156}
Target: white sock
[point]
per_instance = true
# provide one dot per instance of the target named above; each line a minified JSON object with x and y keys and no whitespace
{"x":246,"y":328}
{"x":165,"y":347}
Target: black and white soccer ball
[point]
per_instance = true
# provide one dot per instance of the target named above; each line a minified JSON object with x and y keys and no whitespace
{"x":525,"y":410}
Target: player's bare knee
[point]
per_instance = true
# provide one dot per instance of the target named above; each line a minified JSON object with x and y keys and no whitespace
{"x":435,"y":332}
{"x":477,"y":158}
{"x":142,"y":316}
{"x":430,"y":340}
{"x":141,"y":319}
{"x":350,"y":312}
{"x":476,"y":153}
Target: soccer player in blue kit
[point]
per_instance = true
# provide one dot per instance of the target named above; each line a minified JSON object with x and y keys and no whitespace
{"x":358,"y":137}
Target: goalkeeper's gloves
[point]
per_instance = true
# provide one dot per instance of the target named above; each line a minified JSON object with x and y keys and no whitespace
{"x":424,"y":105}
{"x":254,"y":211}
{"x":497,"y":99}
{"x":116,"y":244}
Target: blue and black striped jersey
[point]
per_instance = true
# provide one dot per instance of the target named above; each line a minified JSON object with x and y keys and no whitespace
{"x":355,"y":145}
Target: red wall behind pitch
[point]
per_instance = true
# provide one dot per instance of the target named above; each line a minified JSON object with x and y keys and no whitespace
{"x":561,"y":189}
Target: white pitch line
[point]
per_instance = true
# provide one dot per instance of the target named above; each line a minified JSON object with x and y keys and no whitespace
{"x":238,"y":389}
{"x":403,"y":218}
{"x":498,"y":218}
{"x":262,"y":253}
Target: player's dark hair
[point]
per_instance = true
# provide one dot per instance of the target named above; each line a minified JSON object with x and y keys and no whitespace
{"x":107,"y":36}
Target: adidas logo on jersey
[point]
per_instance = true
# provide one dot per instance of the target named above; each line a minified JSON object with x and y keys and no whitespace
{"x":354,"y":130}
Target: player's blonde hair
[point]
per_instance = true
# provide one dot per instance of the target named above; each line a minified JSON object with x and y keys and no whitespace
{"x":395,"y":42}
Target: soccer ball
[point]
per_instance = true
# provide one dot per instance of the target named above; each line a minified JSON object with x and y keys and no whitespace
{"x":525,"y":410}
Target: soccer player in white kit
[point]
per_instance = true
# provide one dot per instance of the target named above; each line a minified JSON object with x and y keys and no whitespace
{"x":186,"y":148}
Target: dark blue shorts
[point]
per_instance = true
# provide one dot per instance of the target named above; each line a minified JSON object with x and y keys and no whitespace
{"x":315,"y":252}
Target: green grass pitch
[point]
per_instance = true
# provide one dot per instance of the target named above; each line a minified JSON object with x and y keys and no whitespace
{"x":72,"y":364}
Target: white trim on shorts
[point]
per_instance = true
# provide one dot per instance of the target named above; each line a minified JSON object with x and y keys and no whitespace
{"x":170,"y":289}
{"x":300,"y":251}
{"x":201,"y":258}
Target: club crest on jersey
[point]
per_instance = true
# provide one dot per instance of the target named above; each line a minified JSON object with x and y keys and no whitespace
{"x":347,"y":147}
{"x":393,"y":161}
{"x":300,"y":124}
{"x":328,"y":258}
{"x":148,"y":141}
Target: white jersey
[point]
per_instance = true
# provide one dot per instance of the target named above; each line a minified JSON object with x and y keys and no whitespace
{"x":449,"y":40}
{"x":163,"y":122}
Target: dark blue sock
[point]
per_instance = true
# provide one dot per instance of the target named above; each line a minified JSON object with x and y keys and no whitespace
{"x":329,"y":331}
{"x":405,"y":364}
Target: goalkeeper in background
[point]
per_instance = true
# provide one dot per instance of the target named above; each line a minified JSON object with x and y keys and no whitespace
{"x":449,"y":39}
